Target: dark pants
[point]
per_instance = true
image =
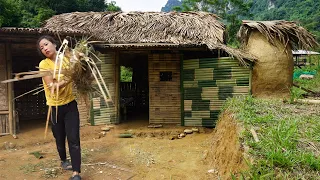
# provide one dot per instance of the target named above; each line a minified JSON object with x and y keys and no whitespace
{"x":67,"y":125}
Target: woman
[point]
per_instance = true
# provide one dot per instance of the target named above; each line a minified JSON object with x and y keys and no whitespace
{"x":66,"y":122}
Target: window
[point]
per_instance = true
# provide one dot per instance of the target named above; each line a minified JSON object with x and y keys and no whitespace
{"x":166,"y":76}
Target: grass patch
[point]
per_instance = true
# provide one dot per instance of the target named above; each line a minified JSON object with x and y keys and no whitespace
{"x":289,"y":135}
{"x":30,"y":168}
{"x":48,"y":169}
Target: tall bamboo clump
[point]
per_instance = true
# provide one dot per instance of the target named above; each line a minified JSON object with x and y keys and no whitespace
{"x":271,"y":42}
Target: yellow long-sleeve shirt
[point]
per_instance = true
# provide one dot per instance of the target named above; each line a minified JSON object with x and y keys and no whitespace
{"x":65,"y":94}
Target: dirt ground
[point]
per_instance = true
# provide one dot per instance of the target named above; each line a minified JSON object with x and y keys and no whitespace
{"x":150,"y":154}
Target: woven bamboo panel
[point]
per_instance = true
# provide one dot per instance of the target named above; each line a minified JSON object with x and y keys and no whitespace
{"x":164,"y":96}
{"x":84,"y":110}
{"x":102,"y":114}
{"x":4,"y":123}
{"x":3,"y":76}
{"x":207,"y":83}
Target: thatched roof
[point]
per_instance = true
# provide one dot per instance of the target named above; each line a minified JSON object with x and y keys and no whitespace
{"x":197,"y":28}
{"x":286,"y":31}
{"x":35,"y":31}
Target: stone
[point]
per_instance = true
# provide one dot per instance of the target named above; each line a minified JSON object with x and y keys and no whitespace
{"x":105,"y":128}
{"x":188,"y":131}
{"x":195,"y":130}
{"x":181,"y":135}
{"x":173,"y":137}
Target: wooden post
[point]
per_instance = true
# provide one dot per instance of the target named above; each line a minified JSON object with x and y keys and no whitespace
{"x":117,"y":87}
{"x":181,"y":89}
{"x":12,"y":124}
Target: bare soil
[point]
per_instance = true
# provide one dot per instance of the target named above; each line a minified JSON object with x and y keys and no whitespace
{"x":150,"y":154}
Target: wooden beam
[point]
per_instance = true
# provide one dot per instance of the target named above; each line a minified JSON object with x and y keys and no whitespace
{"x":12,"y":124}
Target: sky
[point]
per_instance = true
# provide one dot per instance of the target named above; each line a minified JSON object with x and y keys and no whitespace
{"x":140,"y":5}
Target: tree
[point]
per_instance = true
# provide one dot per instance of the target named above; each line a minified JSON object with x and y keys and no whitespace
{"x":9,"y":13}
{"x":112,"y":7}
{"x":91,"y":5}
{"x":32,"y":13}
{"x":125,"y":74}
{"x":231,"y":11}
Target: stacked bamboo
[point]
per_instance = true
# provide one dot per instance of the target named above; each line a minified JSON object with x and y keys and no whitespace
{"x":164,"y":97}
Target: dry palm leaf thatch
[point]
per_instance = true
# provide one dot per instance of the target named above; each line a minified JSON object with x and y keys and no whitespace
{"x":285,"y":31}
{"x":83,"y":72}
{"x":187,"y":28}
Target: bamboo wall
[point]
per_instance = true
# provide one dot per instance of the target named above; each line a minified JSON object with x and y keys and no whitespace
{"x":4,"y":108}
{"x":3,"y":76}
{"x":100,"y":112}
{"x":84,"y":110}
{"x":164,"y":96}
{"x":207,"y":83}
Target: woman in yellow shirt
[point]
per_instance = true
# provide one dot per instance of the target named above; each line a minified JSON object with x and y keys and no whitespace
{"x":66,"y":123}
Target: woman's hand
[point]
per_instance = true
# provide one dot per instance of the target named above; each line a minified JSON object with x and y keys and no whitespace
{"x":55,"y":85}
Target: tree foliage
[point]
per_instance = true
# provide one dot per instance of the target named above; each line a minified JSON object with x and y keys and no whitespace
{"x":305,"y":12}
{"x":231,"y":11}
{"x":125,"y":74}
{"x":113,"y":7}
{"x":31,"y":13}
{"x":9,"y":13}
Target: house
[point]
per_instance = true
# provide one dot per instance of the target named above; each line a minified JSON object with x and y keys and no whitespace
{"x":182,"y":69}
{"x":300,"y":57}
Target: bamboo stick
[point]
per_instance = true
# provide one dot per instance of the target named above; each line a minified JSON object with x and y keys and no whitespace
{"x":254,"y":134}
{"x":10,"y":89}
{"x":47,"y":122}
{"x":4,"y":134}
{"x":4,"y":112}
{"x":310,"y":101}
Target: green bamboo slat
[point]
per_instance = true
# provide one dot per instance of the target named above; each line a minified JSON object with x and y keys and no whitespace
{"x":200,"y":114}
{"x":226,"y":82}
{"x":204,"y":74}
{"x":191,"y":64}
{"x":192,"y":121}
{"x":190,"y":84}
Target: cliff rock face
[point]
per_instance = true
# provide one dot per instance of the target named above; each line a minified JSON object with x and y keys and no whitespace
{"x":170,"y":4}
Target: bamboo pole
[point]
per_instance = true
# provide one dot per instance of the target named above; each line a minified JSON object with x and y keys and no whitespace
{"x":10,"y":89}
{"x":47,"y":123}
{"x":4,"y":112}
{"x":117,"y":88}
{"x":310,"y":101}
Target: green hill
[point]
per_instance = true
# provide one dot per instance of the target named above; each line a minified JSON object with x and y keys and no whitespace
{"x":305,"y":12}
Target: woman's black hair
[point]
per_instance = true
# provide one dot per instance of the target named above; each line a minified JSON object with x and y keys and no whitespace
{"x":47,"y":37}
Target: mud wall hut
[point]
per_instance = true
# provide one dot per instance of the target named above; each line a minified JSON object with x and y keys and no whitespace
{"x":182,"y":70}
{"x":272,"y":42}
